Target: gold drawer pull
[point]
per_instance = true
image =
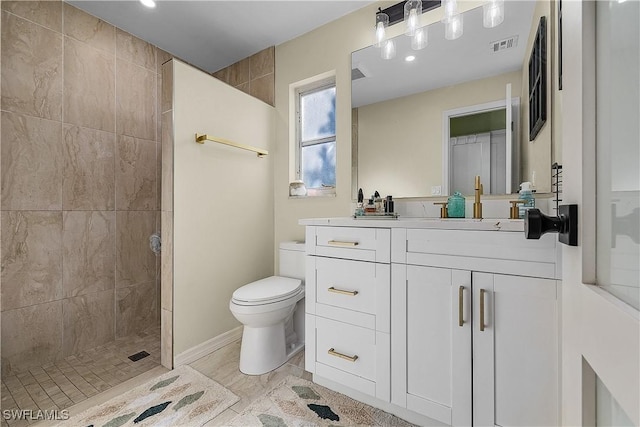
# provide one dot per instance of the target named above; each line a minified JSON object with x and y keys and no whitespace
{"x":342,"y":292}
{"x":341,"y":243}
{"x":342,"y":356}
{"x":461,"y":306}
{"x":482,"y":292}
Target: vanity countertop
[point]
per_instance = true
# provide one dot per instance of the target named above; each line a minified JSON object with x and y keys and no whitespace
{"x":485,"y":224}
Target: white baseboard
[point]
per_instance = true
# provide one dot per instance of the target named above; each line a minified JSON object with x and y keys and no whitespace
{"x":209,"y":346}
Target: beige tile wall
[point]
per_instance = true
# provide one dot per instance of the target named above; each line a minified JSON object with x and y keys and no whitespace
{"x":254,"y":75}
{"x":166,"y":304}
{"x":80,"y":182}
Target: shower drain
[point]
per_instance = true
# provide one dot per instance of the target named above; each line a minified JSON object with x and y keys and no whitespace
{"x":138,"y":356}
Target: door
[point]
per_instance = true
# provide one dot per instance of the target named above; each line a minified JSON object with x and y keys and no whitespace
{"x":431,"y":342}
{"x":515,"y":351}
{"x":600,"y":331}
{"x":471,"y":155}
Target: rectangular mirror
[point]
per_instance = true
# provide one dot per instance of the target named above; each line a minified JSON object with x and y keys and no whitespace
{"x":425,"y":126}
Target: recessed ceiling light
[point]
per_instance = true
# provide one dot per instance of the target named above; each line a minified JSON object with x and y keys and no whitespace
{"x":409,"y":58}
{"x":148,"y":3}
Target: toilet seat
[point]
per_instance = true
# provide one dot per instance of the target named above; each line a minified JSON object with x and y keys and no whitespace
{"x":266,"y":291}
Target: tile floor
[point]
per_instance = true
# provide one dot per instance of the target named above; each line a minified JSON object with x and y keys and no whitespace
{"x":78,"y":377}
{"x":222,"y":366}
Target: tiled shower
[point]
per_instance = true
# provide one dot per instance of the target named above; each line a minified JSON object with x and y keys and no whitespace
{"x":80,"y":187}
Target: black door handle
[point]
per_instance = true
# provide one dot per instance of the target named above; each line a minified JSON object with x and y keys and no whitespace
{"x":565,"y":224}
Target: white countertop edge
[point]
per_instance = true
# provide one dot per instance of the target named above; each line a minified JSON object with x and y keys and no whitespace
{"x":485,"y":224}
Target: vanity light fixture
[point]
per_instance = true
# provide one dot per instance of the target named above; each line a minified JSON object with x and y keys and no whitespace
{"x":453,"y":27}
{"x":419,"y":39}
{"x":450,"y":9}
{"x":388,"y":49}
{"x":148,"y":3}
{"x":409,"y":11}
{"x":452,"y":19}
{"x":382,"y":22}
{"x":493,"y":13}
{"x":412,"y":12}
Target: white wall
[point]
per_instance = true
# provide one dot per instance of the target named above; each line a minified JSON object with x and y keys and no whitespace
{"x":416,"y":134}
{"x":537,"y":155}
{"x":324,"y":50}
{"x":223,"y":203}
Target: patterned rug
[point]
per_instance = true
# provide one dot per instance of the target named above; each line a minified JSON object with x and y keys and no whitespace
{"x":182,"y":397}
{"x":297,"y":402}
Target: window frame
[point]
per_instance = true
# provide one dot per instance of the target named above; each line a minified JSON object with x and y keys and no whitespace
{"x":299,"y":143}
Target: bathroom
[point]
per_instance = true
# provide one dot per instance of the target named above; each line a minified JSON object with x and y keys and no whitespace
{"x":254,"y":191}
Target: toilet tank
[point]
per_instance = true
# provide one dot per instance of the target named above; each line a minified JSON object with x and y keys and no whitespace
{"x":292,"y":261}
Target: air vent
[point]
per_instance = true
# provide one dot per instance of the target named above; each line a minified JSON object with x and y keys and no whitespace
{"x":356,"y":74}
{"x":504,"y":44}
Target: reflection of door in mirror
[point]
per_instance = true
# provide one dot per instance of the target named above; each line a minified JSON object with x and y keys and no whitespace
{"x":477,"y":141}
{"x":472,"y":155}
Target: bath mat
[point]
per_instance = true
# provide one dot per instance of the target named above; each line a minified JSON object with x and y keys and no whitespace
{"x":182,"y":397}
{"x":297,"y":402}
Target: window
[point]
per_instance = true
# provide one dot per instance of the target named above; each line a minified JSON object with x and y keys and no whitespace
{"x":316,"y":138}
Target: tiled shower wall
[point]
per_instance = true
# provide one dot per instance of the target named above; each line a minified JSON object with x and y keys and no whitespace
{"x":254,"y":75}
{"x":80,"y":185}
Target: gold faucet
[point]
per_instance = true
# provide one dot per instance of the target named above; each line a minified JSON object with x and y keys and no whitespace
{"x":477,"y":205}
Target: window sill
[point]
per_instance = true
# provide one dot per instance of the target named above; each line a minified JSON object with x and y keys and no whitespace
{"x":315,"y":194}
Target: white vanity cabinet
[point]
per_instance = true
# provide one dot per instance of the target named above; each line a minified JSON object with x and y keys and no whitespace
{"x":454,"y":325}
{"x":347,"y":294}
{"x":475,"y":347}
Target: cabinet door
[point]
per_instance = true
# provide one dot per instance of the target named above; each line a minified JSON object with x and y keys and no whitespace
{"x":515,"y":357}
{"x":431,"y":342}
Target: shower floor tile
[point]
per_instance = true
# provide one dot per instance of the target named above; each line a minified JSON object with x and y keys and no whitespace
{"x":59,"y":385}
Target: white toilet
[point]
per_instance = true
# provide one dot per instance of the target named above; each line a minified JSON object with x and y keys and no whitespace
{"x":272,"y":312}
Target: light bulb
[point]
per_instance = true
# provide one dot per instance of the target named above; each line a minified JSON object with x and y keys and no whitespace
{"x":412,"y":12}
{"x":410,"y":58}
{"x":450,"y":9}
{"x":148,"y":3}
{"x":453,"y":27}
{"x":412,"y":22}
{"x":382,"y":21}
{"x":388,"y":50}
{"x":419,"y":39}
{"x":493,"y":13}
{"x":380,"y":34}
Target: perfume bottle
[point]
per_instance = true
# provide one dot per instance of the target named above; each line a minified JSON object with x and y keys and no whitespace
{"x":360,"y":205}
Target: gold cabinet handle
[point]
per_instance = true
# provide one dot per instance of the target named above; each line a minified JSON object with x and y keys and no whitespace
{"x":460,"y":306}
{"x":342,"y":292}
{"x":482,"y":292}
{"x":342,"y":356}
{"x":341,"y":243}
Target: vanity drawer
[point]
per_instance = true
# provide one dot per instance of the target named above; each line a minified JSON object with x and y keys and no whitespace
{"x":355,"y":292}
{"x":352,"y":285}
{"x":349,"y":348}
{"x":364,"y":244}
{"x":490,"y":251}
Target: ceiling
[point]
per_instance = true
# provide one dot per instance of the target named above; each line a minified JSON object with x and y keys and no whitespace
{"x":214,"y":34}
{"x":444,"y":62}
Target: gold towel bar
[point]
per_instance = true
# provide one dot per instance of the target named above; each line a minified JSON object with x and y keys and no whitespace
{"x":200,"y":139}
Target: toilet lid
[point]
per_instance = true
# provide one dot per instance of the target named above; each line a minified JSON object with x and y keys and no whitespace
{"x":264,"y":290}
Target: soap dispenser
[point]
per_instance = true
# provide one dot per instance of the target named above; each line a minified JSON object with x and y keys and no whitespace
{"x":455,"y":205}
{"x":526,"y":196}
